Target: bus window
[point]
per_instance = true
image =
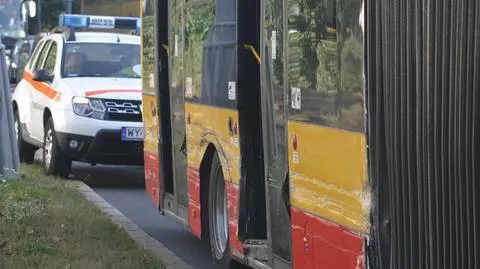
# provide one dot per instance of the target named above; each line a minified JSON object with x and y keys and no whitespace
{"x":275,"y":126}
{"x":274,"y":83}
{"x":325,"y":64}
{"x":210,"y":51}
{"x":199,"y":24}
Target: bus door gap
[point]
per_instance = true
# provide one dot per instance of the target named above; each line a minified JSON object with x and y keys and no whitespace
{"x":252,"y":212}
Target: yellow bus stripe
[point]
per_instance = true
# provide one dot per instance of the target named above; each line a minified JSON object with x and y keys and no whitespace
{"x":328,"y":174}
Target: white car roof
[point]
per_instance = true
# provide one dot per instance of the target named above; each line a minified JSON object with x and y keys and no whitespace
{"x":101,"y":37}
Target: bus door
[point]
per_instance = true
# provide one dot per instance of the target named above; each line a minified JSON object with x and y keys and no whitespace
{"x":176,"y":198}
{"x":252,"y":210}
{"x":152,"y":94}
{"x":274,"y":115}
{"x":165,"y":174}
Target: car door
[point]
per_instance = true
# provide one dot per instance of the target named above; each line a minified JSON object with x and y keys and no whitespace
{"x":39,"y":97}
{"x":25,"y":90}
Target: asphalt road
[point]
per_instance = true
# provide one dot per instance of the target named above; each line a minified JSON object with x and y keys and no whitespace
{"x":123,"y":188}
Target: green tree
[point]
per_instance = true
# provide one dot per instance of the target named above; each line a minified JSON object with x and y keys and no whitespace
{"x":50,"y":11}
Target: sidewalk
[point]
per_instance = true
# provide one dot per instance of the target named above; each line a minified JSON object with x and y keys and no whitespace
{"x":47,"y":223}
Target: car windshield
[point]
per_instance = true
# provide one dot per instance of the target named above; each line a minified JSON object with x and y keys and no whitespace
{"x":101,"y":60}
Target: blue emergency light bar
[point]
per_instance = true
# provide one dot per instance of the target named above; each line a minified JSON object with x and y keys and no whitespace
{"x":99,"y":22}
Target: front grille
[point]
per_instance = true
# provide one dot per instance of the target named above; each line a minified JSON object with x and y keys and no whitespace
{"x":123,"y":110}
{"x":113,"y":145}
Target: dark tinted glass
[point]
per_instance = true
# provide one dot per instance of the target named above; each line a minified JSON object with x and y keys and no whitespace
{"x":325,"y":63}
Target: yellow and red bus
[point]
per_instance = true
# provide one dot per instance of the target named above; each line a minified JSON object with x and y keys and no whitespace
{"x":260,"y":117}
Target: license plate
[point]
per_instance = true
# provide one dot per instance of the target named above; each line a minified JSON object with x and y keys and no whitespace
{"x":132,"y":133}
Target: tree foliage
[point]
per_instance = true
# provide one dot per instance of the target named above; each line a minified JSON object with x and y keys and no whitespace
{"x":50,"y":11}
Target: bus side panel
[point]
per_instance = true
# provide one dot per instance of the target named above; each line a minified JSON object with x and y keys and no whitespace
{"x":206,"y":125}
{"x":328,"y":174}
{"x":327,"y":188}
{"x":210,"y":125}
{"x":320,"y":244}
{"x":151,"y":131}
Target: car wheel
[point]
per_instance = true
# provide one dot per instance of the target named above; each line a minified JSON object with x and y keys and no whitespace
{"x":218,"y":215}
{"x":55,"y":162}
{"x":26,"y":151}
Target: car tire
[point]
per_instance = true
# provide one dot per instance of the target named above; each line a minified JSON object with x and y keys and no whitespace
{"x":26,"y":151}
{"x":55,"y":162}
{"x":218,"y":215}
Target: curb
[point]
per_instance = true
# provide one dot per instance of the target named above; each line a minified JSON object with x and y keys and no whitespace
{"x":169,"y":259}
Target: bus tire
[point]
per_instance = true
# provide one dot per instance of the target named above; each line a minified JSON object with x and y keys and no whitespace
{"x":55,"y":162}
{"x":218,"y":215}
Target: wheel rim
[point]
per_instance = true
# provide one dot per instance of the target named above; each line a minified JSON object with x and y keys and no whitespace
{"x":47,"y":151}
{"x":221,"y":216}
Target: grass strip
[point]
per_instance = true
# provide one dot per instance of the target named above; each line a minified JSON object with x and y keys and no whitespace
{"x":46,"y":223}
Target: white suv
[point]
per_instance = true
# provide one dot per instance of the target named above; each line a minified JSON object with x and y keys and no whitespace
{"x":80,"y":98}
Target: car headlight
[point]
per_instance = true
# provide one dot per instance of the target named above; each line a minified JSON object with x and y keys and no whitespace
{"x":89,"y":107}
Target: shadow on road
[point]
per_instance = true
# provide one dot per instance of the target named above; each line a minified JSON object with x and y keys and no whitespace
{"x":113,"y":176}
{"x":109,"y":175}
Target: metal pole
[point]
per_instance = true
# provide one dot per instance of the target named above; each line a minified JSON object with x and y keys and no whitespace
{"x":69,"y":6}
{"x":26,"y":25}
{"x":39,"y":16}
{"x":9,"y":158}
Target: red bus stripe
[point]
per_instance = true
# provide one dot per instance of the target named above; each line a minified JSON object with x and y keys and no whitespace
{"x":317,"y":243}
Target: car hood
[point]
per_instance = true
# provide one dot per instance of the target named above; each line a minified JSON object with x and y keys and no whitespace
{"x":108,"y":88}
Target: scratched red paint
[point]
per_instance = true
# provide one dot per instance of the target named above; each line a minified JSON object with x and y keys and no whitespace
{"x":194,"y":209}
{"x":152,"y":176}
{"x":193,"y":188}
{"x":318,"y":244}
{"x":232,"y":200}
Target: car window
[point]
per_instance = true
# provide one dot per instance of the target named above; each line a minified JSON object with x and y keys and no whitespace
{"x":35,"y":55}
{"x":25,"y":48}
{"x":51,"y":58}
{"x":41,"y":59}
{"x":31,"y":46}
{"x":100,"y":60}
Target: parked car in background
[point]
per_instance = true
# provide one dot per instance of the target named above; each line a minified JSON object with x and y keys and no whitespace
{"x":80,"y":96}
{"x":19,"y":56}
{"x":13,"y":26}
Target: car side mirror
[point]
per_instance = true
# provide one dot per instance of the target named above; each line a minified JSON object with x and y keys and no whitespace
{"x":42,"y":75}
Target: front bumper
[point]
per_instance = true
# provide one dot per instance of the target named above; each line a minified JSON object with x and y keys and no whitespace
{"x":106,"y":147}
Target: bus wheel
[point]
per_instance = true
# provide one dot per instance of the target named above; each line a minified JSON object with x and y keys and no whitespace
{"x":218,"y":215}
